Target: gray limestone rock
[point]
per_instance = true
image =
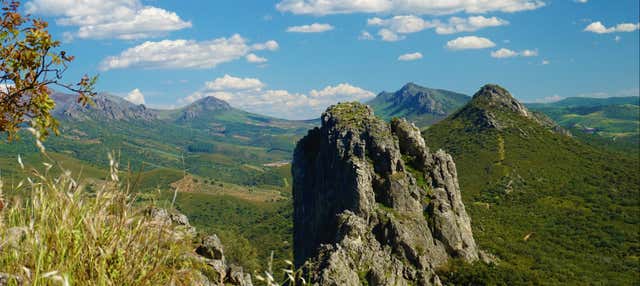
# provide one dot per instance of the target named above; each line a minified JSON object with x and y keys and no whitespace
{"x":209,"y":250}
{"x":373,"y":205}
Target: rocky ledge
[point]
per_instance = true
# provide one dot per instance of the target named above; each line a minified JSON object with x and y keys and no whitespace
{"x":373,"y":205}
{"x":209,"y":250}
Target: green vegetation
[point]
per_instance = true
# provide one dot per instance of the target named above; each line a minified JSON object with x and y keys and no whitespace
{"x":57,"y":232}
{"x":238,"y":152}
{"x":250,"y":231}
{"x":349,"y":114}
{"x":552,"y":209}
{"x":555,"y":211}
{"x":611,"y":123}
{"x":480,"y":274}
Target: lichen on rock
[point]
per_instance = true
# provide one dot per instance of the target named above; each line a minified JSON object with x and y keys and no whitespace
{"x":373,"y":205}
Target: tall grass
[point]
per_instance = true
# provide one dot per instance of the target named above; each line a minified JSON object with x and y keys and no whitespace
{"x":55,"y":231}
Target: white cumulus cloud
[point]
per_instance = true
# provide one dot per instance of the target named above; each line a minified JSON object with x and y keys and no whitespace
{"x":599,"y":28}
{"x":135,"y":97}
{"x":389,"y":36}
{"x":313,"y":28}
{"x":228,"y":82}
{"x":366,"y":36}
{"x":253,"y":58}
{"x":421,"y":7}
{"x":99,"y":19}
{"x":504,"y":53}
{"x":410,"y":57}
{"x":471,"y":24}
{"x":507,"y":53}
{"x":401,"y":24}
{"x":249,"y":94}
{"x":268,"y":45}
{"x":184,"y":54}
{"x":393,"y":28}
{"x":469,"y":42}
{"x":341,"y":92}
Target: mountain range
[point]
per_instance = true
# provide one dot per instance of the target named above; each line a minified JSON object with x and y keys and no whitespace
{"x":553,"y":206}
{"x":212,"y":137}
{"x":611,"y":123}
{"x":207,"y":138}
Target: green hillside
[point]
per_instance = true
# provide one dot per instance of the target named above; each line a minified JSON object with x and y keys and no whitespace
{"x":611,"y":123}
{"x":236,"y":157}
{"x":207,"y":138}
{"x":587,"y":102}
{"x":551,"y":208}
{"x":423,"y":106}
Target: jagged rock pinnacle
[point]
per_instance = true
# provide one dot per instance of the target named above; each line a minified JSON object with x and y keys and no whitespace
{"x":373,"y":205}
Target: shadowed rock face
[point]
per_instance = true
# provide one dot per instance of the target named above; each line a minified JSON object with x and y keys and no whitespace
{"x":373,"y":205}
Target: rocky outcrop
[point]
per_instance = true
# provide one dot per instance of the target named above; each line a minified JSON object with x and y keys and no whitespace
{"x":373,"y":205}
{"x":498,"y":97}
{"x":208,"y":250}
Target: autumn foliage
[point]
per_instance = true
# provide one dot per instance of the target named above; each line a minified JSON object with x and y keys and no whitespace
{"x":31,"y":63}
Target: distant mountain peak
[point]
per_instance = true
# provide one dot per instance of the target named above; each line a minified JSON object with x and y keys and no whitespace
{"x":417,"y":103}
{"x":494,"y":107}
{"x":213,"y":103}
{"x":203,"y":106}
{"x":411,"y":86}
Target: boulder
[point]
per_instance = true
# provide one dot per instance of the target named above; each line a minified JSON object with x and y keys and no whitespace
{"x":211,"y":248}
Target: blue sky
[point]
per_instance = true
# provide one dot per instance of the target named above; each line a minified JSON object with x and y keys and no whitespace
{"x":269,"y":57}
